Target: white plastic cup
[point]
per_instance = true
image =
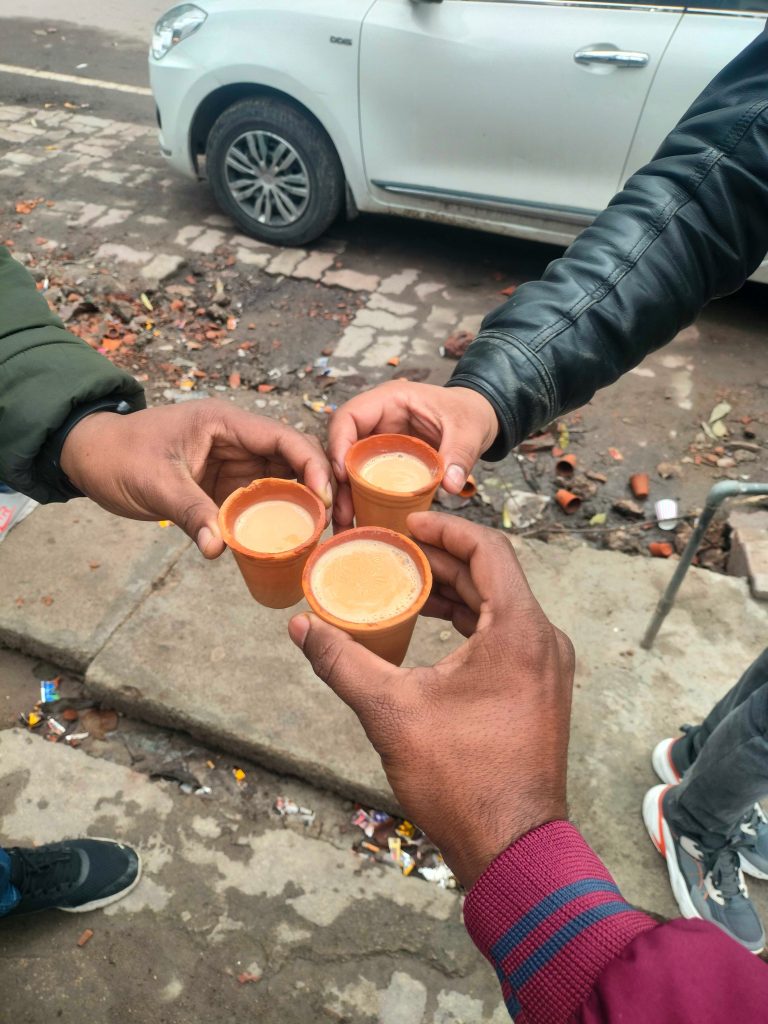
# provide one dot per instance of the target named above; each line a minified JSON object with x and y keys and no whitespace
{"x":667,"y":513}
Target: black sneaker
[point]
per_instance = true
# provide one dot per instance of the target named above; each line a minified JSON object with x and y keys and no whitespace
{"x":705,"y":883}
{"x":76,"y":875}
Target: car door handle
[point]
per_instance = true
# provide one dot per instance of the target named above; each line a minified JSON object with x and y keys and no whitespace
{"x":612,"y":58}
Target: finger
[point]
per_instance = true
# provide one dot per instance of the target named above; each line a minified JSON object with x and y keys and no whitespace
{"x":460,"y":449}
{"x":351,"y":671}
{"x":492,"y":562}
{"x":343,"y":509}
{"x":187,"y":505}
{"x":355,"y":419}
{"x":454,"y":579}
{"x":273,"y":440}
{"x":462,"y":618}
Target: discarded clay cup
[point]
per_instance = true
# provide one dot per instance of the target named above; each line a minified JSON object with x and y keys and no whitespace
{"x":568,"y":501}
{"x":469,"y":490}
{"x":388,"y":638}
{"x":373,"y":505}
{"x":274,"y":579}
{"x":566,"y":465}
{"x":640,"y":485}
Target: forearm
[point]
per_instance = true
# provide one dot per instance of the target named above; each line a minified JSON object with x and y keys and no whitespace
{"x":549,"y":917}
{"x":688,"y":227}
{"x":45,"y":374}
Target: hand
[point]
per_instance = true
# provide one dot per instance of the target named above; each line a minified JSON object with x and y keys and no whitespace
{"x":457,"y":421}
{"x":474,"y":747}
{"x":180,"y":462}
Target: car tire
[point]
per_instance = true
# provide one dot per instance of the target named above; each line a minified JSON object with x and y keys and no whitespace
{"x":272,"y":206}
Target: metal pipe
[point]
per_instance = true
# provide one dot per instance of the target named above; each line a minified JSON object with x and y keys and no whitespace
{"x":719,"y":493}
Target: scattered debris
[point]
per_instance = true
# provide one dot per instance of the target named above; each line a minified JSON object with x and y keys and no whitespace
{"x":566,"y":465}
{"x":661,"y":549}
{"x":640,"y":485}
{"x":85,"y":937}
{"x":616,"y":454}
{"x":628,"y":508}
{"x":667,"y":514}
{"x":568,"y":501}
{"x":290,"y":809}
{"x":14,"y":508}
{"x":399,"y":843}
{"x":457,"y":344}
{"x":522,"y":509}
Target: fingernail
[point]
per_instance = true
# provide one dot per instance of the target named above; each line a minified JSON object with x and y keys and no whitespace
{"x":204,"y":538}
{"x":328,"y":495}
{"x":455,"y":476}
{"x":298,"y":628}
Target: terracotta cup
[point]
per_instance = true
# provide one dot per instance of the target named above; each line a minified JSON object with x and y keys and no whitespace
{"x":469,"y":490}
{"x":390,"y":637}
{"x":274,"y":579}
{"x":640,"y":485}
{"x":568,"y":501}
{"x":566,"y":465}
{"x":377,"y":507}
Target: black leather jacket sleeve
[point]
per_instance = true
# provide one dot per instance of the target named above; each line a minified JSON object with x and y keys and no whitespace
{"x":689,"y":226}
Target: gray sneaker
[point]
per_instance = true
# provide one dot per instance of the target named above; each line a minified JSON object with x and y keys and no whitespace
{"x":753,"y":843}
{"x":670,"y":761}
{"x":705,"y":883}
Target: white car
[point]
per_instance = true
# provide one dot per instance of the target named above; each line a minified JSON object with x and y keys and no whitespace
{"x":521,"y":117}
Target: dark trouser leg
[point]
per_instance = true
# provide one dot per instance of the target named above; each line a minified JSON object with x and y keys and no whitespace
{"x":730,"y":772}
{"x":9,"y":896}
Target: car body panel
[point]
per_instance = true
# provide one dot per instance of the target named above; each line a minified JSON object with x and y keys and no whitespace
{"x":486,"y":78}
{"x":441,"y":135}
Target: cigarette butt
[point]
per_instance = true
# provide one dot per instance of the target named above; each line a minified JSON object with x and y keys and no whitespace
{"x":86,"y":936}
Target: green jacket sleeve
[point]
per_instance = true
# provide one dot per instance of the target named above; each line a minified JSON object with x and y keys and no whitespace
{"x":45,"y":373}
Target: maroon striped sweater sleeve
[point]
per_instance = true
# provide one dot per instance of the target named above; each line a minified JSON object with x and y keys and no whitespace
{"x":549,"y":917}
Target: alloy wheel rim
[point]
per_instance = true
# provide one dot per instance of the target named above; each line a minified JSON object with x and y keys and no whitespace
{"x":267,"y":178}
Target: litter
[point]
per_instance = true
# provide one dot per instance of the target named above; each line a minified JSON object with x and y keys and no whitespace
{"x":667,"y":514}
{"x":290,"y":809}
{"x":85,"y":936}
{"x":49,"y":690}
{"x":522,"y":509}
{"x":568,"y":501}
{"x":640,"y":485}
{"x":398,"y":843}
{"x":14,"y":508}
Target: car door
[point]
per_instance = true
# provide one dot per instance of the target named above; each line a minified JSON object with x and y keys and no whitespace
{"x":708,"y":37}
{"x":532,"y":104}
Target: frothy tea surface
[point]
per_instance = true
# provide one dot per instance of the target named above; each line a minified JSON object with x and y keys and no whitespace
{"x":365,"y":581}
{"x":273,"y":526}
{"x":396,"y":471}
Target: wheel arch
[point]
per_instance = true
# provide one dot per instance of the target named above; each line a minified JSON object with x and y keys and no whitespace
{"x":216,"y":102}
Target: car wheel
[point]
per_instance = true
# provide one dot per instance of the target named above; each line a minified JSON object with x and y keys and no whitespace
{"x":274,"y":170}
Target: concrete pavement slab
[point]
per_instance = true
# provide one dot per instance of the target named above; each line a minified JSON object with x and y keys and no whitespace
{"x":224,"y":891}
{"x":70,"y":574}
{"x":200,"y":654}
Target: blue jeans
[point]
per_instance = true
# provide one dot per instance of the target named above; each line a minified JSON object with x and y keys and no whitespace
{"x":9,"y":895}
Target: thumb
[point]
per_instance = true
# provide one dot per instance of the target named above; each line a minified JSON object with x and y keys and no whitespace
{"x":190,"y":508}
{"x":460,"y":452}
{"x":354,"y":673}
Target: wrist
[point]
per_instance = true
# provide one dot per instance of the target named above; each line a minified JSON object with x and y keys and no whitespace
{"x":481,"y":412}
{"x":484,"y":845}
{"x":82,"y":445}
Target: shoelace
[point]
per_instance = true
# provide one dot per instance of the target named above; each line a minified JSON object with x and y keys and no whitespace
{"x":750,"y":822}
{"x":41,"y":871}
{"x":725,"y":869}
